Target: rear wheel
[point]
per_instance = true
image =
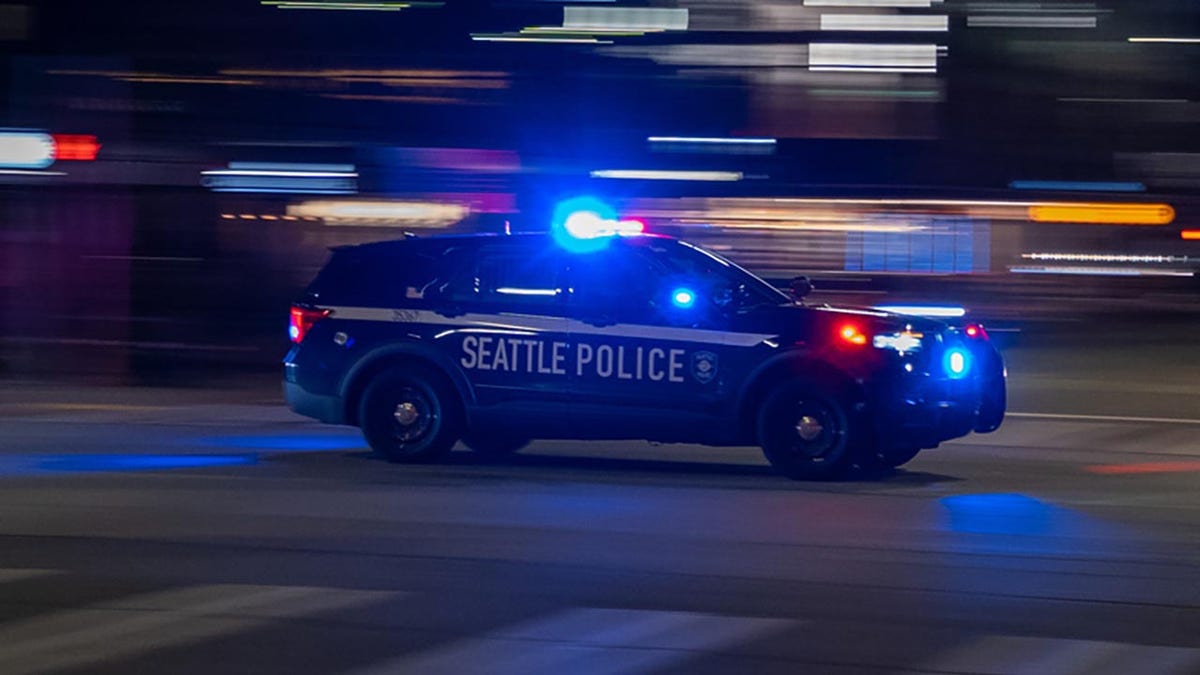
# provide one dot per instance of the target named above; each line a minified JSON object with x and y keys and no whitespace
{"x":804,"y":433}
{"x":495,"y":446}
{"x":410,"y":415}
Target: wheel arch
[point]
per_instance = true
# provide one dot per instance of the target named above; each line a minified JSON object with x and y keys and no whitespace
{"x":376,"y":361}
{"x":794,"y":367}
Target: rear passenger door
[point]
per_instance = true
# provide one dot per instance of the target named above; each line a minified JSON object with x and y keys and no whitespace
{"x":505,"y":307}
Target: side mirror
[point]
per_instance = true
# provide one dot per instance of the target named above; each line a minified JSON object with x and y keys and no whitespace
{"x":800,"y":287}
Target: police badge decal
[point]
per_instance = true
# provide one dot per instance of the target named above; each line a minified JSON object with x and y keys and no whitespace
{"x":704,"y":367}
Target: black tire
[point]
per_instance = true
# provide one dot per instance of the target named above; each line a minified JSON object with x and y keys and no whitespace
{"x":893,"y":458}
{"x":410,"y":414}
{"x":494,"y":446}
{"x":822,"y":449}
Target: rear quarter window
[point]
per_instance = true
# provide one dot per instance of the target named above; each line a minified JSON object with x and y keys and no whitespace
{"x":359,"y":278}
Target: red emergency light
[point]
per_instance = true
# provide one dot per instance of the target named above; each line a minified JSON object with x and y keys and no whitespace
{"x":75,"y":147}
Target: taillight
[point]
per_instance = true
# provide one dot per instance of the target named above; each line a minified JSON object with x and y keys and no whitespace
{"x":852,"y":334}
{"x":975,"y":331}
{"x":301,"y":319}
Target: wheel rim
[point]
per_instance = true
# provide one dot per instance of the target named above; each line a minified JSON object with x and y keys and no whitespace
{"x":815,"y":431}
{"x":413,"y":416}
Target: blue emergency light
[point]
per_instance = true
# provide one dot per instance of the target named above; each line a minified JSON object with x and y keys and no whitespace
{"x":584,"y":224}
{"x":683,"y":298}
{"x":957,"y":363}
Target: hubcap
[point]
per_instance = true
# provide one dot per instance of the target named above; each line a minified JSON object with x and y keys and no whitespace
{"x":809,"y":428}
{"x":406,"y":414}
{"x":413,"y":416}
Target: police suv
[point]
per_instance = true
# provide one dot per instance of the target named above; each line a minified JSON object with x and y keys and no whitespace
{"x":499,"y":339}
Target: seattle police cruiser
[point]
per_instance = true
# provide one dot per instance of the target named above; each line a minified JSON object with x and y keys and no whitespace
{"x":597,"y":330}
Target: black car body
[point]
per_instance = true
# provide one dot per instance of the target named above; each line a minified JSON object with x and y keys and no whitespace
{"x":498,"y":339}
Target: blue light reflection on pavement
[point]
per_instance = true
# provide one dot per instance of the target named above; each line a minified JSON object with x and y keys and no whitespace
{"x":1020,"y":524}
{"x":32,"y":465}
{"x":284,"y":442}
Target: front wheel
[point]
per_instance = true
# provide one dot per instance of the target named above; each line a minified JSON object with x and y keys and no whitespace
{"x":409,"y":415}
{"x":804,"y":433}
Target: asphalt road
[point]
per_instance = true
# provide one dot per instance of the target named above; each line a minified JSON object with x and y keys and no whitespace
{"x":152,"y":530}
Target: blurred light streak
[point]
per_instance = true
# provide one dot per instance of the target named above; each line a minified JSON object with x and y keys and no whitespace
{"x":525,"y":38}
{"x":885,"y":22}
{"x":701,"y":139}
{"x":1191,"y":235}
{"x":869,"y":3}
{"x":1083,"y":186}
{"x":400,"y":98}
{"x":786,"y":223}
{"x":76,"y":147}
{"x":133,"y":462}
{"x":439,"y":82}
{"x":337,"y":73}
{"x":1102,"y":213}
{"x":876,"y":94}
{"x":709,"y":145}
{"x":1077,"y":99}
{"x":383,"y":213}
{"x":606,"y":32}
{"x":30,"y":172}
{"x":1031,"y":22}
{"x":282,"y":178}
{"x":1181,"y":466}
{"x":1167,"y":40}
{"x":26,"y":149}
{"x":187,"y":79}
{"x":1102,"y":271}
{"x":625,"y":18}
{"x":1104,"y":257}
{"x":335,"y":4}
{"x":924,"y":310}
{"x":647,"y":174}
{"x":890,"y":58}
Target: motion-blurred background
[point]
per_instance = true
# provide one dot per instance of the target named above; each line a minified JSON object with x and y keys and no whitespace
{"x":172,"y":173}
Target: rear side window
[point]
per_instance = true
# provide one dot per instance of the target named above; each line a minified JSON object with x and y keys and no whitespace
{"x":373,"y":278}
{"x":509,"y":277}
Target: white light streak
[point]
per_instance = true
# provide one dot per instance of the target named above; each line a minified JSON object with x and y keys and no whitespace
{"x":1102,"y":271}
{"x":884,"y":22}
{"x":923,"y":310}
{"x":701,"y":139}
{"x":1167,"y":40}
{"x":1104,"y":257}
{"x":1031,"y":22}
{"x":26,"y":149}
{"x":646,"y":174}
{"x":625,"y":18}
{"x":519,"y":38}
{"x":868,"y":3}
{"x":834,"y":56}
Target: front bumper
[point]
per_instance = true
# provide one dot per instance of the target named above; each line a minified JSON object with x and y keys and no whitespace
{"x":920,"y":410}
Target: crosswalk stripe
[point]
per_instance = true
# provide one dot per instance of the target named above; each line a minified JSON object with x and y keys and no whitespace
{"x":588,"y":641}
{"x":1012,"y":655}
{"x":128,"y":626}
{"x":11,"y":575}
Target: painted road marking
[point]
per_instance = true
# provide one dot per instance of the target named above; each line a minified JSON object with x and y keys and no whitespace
{"x":1010,"y":655}
{"x":140,"y":623}
{"x":1103,"y":418}
{"x":588,"y":641}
